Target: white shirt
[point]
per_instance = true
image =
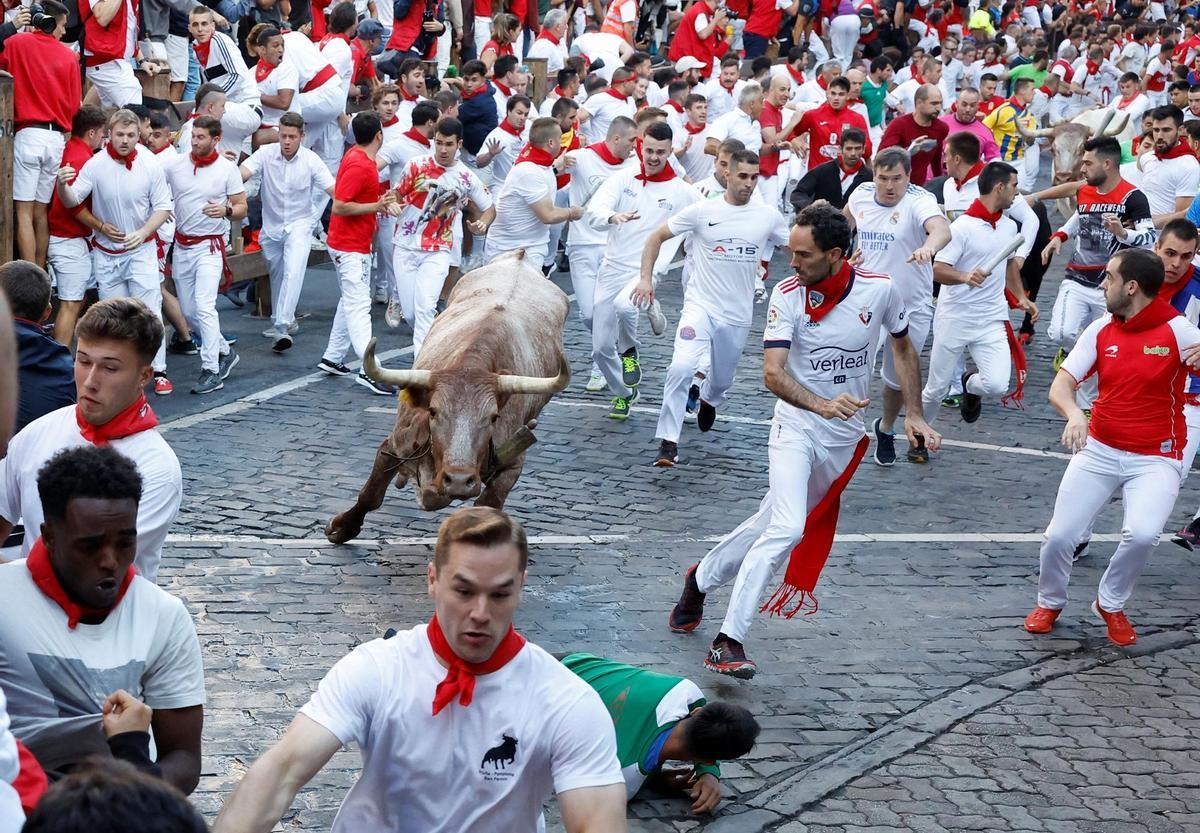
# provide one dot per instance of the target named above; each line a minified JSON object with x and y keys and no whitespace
{"x":973,"y":243}
{"x":728,"y":243}
{"x":696,"y":163}
{"x":227,"y":69}
{"x":396,"y":154}
{"x":655,"y":202}
{"x":123,"y":197}
{"x":554,"y":54}
{"x":420,"y":178}
{"x":1135,"y":108}
{"x":587,"y":175}
{"x":600,"y":46}
{"x":287,"y":184}
{"x":957,"y":201}
{"x":1164,"y":180}
{"x":337,"y":52}
{"x":496,"y":170}
{"x":12,"y":817}
{"x":737,"y":124}
{"x":196,"y":187}
{"x":834,"y":355}
{"x":424,"y":773}
{"x":283,"y":77}
{"x":603,"y":108}
{"x":903,"y":97}
{"x":1097,"y":87}
{"x":404,"y":112}
{"x":1134,"y":57}
{"x":37,"y":442}
{"x":306,"y":58}
{"x":797,"y":86}
{"x":721,"y":100}
{"x":952,"y":74}
{"x":57,"y":679}
{"x":516,"y":226}
{"x":888,"y":234}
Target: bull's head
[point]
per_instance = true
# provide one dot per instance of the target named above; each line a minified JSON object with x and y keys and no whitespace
{"x":463,"y":406}
{"x":1070,"y":137}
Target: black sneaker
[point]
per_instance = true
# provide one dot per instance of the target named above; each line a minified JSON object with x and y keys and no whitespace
{"x":375,"y":387}
{"x":693,"y":402}
{"x":885,"y":446}
{"x":972,"y":403}
{"x":333,"y":368}
{"x":705,"y":416}
{"x":689,"y":610}
{"x":282,"y":343}
{"x":728,"y":656}
{"x":668,"y":454}
{"x":191,"y":347}
{"x":918,"y":453}
{"x":1081,"y":549}
{"x":208,"y":382}
{"x":631,"y":368}
{"x":1189,"y":536}
{"x":227,"y":362}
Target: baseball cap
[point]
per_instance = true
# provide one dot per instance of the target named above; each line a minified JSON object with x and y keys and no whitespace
{"x":370,"y":29}
{"x":688,"y":62}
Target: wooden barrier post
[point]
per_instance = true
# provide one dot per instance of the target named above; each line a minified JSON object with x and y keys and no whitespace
{"x":537,"y":68}
{"x":6,"y":170}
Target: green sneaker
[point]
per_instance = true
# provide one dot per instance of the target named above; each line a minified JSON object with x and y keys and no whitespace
{"x":631,"y":368}
{"x":953,"y":401}
{"x":1059,"y":358}
{"x":621,"y":406}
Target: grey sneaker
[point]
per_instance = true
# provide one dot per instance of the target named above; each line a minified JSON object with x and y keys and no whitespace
{"x":208,"y":382}
{"x":393,"y":314}
{"x":658,"y":321}
{"x":227,"y":362}
{"x":631,"y":368}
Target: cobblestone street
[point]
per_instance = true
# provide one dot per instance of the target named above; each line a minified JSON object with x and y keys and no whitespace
{"x":912,"y":700}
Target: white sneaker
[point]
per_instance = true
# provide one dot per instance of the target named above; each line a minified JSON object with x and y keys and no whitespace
{"x":292,"y":329}
{"x":393,"y":314}
{"x":596,"y":382}
{"x":658,"y":321}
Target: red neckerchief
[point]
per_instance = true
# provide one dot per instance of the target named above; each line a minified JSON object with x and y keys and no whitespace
{"x":459,"y":682}
{"x":417,"y":136}
{"x":665,"y":175}
{"x":849,"y":172}
{"x":823,"y":296}
{"x":559,"y":92}
{"x":406,"y":97}
{"x":1177,"y":150}
{"x":920,"y":79}
{"x":391,"y":121}
{"x":1125,"y":102}
{"x":480,"y":90}
{"x":1092,"y":69}
{"x":675,"y":105}
{"x":980,"y":212}
{"x":972,"y":172}
{"x":1046,"y":90}
{"x":202,"y":161}
{"x":509,"y":129}
{"x":42,"y":572}
{"x":160,"y":150}
{"x":138,"y":417}
{"x":536,"y":155}
{"x":604,"y":153}
{"x":615,"y":93}
{"x":822,"y":83}
{"x":796,"y":74}
{"x":201,"y":50}
{"x":332,"y":36}
{"x":127,"y":160}
{"x":502,"y":88}
{"x":1017,"y":105}
{"x":546,"y":34}
{"x":694,"y":128}
{"x":262,"y":69}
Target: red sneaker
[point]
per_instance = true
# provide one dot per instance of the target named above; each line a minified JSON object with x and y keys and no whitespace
{"x":1041,"y":620}
{"x":728,"y":656}
{"x":162,"y":385}
{"x":1120,"y":632}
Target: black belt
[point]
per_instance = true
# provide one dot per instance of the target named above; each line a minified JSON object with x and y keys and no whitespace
{"x":43,"y":125}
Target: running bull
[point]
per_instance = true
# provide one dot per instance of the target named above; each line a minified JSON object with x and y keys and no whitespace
{"x":491,"y":362}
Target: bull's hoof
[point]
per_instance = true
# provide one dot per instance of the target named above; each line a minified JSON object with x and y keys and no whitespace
{"x":338,"y":531}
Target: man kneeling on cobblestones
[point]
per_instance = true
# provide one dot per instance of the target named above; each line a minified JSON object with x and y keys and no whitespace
{"x":463,"y":725}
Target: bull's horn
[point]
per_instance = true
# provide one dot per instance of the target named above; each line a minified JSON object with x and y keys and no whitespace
{"x":1108,"y":117}
{"x":400,"y":378}
{"x":1117,"y":126}
{"x":536,"y":384}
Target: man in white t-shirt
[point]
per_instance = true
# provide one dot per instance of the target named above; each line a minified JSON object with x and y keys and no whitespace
{"x":602,"y":107}
{"x":117,"y":340}
{"x":723,"y":89}
{"x":500,"y":148}
{"x":551,"y":43}
{"x":288,"y":172}
{"x":741,"y":123}
{"x":729,"y":237}
{"x":823,"y":327}
{"x":208,"y":194}
{"x":894,"y":216}
{"x":1170,"y":174}
{"x":82,"y":632}
{"x":525,"y":207}
{"x":462,"y":724}
{"x":132,"y":201}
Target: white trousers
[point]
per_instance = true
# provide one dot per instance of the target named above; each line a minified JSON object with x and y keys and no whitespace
{"x":321,"y":108}
{"x":116,"y":84}
{"x":699,"y":338}
{"x":919,"y":322}
{"x":71,"y":263}
{"x":238,"y":124}
{"x":1027,"y":168}
{"x":196,"y":271}
{"x":132,"y":275}
{"x":1075,"y":307}
{"x":561,"y":200}
{"x":383,"y":270}
{"x":483,"y":33}
{"x":802,"y":468}
{"x":1191,"y":415}
{"x":1059,"y":107}
{"x":286,"y":252}
{"x":585,"y":263}
{"x":988,"y":347}
{"x":352,"y":321}
{"x":843,"y":35}
{"x":614,"y":324}
{"x":420,"y":277}
{"x":1148,"y":484}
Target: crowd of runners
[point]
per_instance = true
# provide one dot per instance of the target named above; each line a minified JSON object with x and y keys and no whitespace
{"x":920,"y":163}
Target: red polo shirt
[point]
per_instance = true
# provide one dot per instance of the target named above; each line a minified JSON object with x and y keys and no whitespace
{"x":357,"y":181}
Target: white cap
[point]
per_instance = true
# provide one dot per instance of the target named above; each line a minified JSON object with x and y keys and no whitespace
{"x":687,"y":62}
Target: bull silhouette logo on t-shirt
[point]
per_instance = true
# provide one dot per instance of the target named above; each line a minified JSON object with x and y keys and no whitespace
{"x":501,"y":756}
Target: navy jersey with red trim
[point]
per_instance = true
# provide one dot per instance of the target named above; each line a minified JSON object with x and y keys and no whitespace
{"x":834,"y":355}
{"x":1186,"y":299}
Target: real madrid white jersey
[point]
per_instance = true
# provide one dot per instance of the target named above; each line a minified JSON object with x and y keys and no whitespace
{"x":888,"y":234}
{"x":834,"y":355}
